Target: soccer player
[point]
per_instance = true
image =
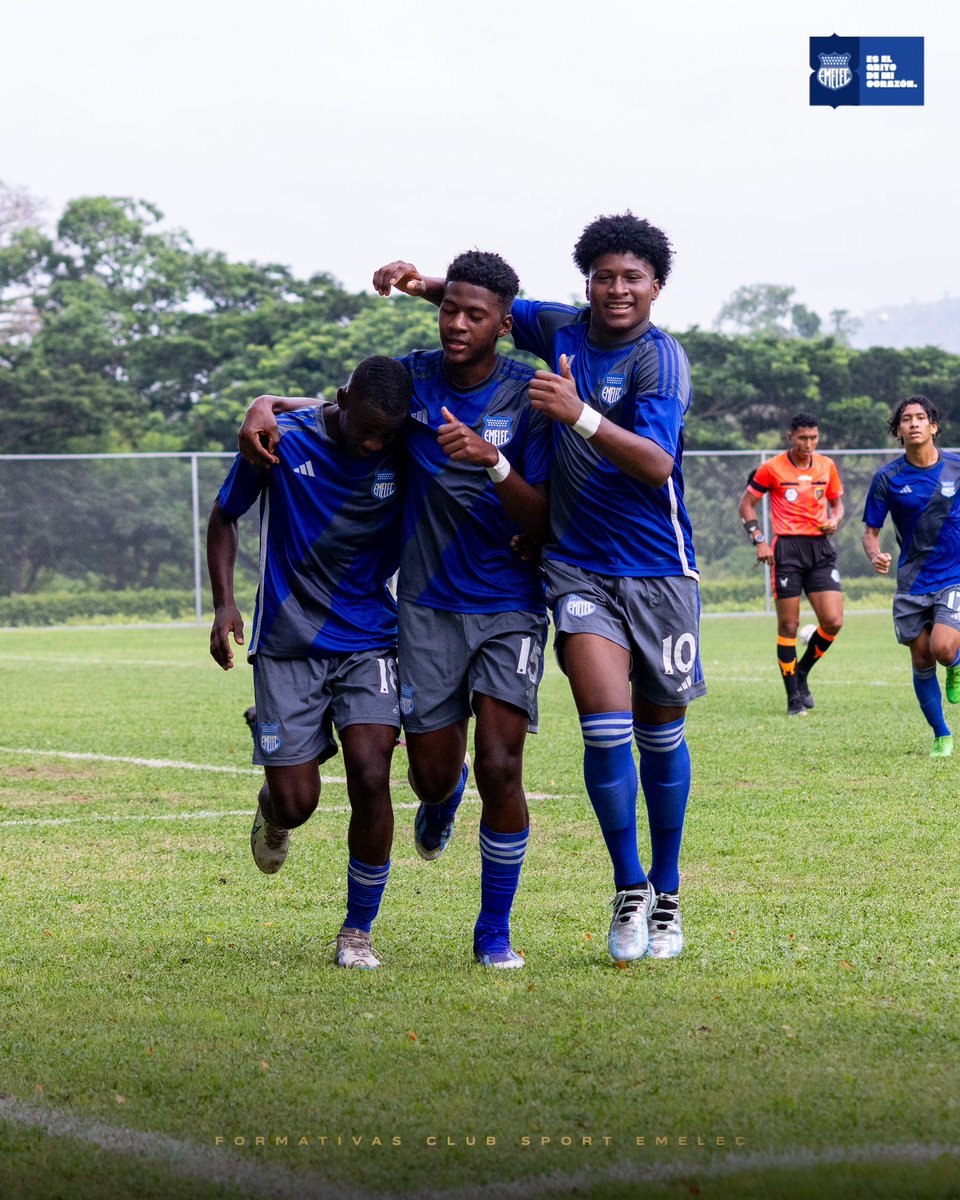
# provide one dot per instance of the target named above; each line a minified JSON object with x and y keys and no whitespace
{"x":472,"y":619}
{"x":805,"y":508}
{"x":921,"y":492}
{"x":323,"y":646}
{"x":620,"y":568}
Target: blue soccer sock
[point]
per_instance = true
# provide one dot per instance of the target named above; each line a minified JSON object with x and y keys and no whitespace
{"x":610,"y":776}
{"x":501,"y":857}
{"x":438,"y":816}
{"x":665,"y":779}
{"x":927,"y":687}
{"x":365,"y":886}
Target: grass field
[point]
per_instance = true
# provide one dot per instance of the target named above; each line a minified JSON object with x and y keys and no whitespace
{"x":163,"y":1005}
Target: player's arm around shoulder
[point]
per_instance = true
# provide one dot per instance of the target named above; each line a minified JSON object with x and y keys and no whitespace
{"x":259,"y":433}
{"x":404,"y":277}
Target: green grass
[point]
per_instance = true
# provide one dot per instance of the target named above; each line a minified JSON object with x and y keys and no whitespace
{"x":153,"y":980}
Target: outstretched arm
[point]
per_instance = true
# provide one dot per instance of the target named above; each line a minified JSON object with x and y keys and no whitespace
{"x":871,"y":547}
{"x":524,"y":503}
{"x":556,"y":395}
{"x":748,"y":516}
{"x":259,"y":433}
{"x":406,"y":278}
{"x":222,"y":542}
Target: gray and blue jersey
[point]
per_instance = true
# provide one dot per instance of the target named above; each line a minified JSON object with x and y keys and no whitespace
{"x":329,"y":540}
{"x":456,"y":536}
{"x":643,"y":386}
{"x":924,"y":504}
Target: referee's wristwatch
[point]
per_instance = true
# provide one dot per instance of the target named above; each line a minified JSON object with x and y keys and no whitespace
{"x":757,"y":537}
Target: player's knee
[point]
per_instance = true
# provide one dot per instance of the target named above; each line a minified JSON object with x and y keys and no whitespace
{"x":499,"y":771}
{"x":432,"y":783}
{"x":292,"y":801}
{"x":369,"y":781}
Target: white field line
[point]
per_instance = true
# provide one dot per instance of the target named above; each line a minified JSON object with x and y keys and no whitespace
{"x":232,"y":1168}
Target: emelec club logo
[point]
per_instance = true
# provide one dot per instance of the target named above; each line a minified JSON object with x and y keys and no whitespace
{"x":384,"y":485}
{"x":497,"y":430}
{"x":611,"y":389}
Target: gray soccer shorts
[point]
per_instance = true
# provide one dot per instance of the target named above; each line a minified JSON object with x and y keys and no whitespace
{"x":446,"y":657}
{"x":657,"y":620}
{"x":299,"y":700}
{"x":913,"y":614}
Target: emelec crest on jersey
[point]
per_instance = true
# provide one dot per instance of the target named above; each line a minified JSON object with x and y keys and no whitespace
{"x":384,"y":484}
{"x":949,"y":488}
{"x":611,"y":389}
{"x":497,"y":430}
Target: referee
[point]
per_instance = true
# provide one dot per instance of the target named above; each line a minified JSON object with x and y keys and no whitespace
{"x":805,"y":508}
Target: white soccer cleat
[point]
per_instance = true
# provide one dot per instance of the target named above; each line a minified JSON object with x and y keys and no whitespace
{"x":629,"y":934}
{"x":665,"y":931}
{"x":269,"y":845}
{"x":354,"y":950}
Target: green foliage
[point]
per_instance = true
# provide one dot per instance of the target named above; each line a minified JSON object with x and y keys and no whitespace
{"x":71,"y":607}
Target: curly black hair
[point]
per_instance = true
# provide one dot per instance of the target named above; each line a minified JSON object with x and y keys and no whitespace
{"x":384,"y":384}
{"x":485,"y":269}
{"x":624,"y":234}
{"x":803,"y":420}
{"x":893,"y":426}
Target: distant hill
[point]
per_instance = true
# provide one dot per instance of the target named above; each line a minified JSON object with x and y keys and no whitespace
{"x":914,"y":324}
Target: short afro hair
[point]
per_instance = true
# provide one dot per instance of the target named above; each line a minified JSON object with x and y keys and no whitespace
{"x":624,"y":234}
{"x":928,"y":407}
{"x":485,"y":269}
{"x":383,"y":384}
{"x":803,"y":420}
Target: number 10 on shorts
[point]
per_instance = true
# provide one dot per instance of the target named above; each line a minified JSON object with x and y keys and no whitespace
{"x":680,"y":655}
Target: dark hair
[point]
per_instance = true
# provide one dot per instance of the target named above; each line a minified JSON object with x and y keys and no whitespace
{"x":382,"y":383}
{"x":624,"y":234}
{"x":928,"y":407}
{"x":485,"y":269}
{"x":803,"y":421}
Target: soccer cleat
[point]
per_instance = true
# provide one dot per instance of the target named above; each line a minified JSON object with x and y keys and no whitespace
{"x":953,"y":685}
{"x":354,"y":950}
{"x":494,"y":950}
{"x":663,"y":924}
{"x":250,"y":716}
{"x":269,"y":845}
{"x":803,"y":691}
{"x":942,"y":747}
{"x":428,"y":839}
{"x":629,"y":934}
{"x":796,"y":707}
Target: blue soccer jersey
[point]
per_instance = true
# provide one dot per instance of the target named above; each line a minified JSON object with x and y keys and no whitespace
{"x":456,"y":536}
{"x":329,"y":540}
{"x":924,"y":505}
{"x":644,"y":386}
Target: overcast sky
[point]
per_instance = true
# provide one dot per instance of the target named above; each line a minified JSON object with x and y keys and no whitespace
{"x":338,"y":136}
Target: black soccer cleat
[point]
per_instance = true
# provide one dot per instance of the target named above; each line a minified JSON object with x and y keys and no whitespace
{"x":250,"y":716}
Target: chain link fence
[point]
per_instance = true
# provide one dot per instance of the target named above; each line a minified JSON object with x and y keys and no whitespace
{"x":120,"y":537}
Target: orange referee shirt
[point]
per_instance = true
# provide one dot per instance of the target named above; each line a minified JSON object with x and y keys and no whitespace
{"x":798,"y":496}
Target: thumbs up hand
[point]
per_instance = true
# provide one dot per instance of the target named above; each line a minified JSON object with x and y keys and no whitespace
{"x":556,"y":395}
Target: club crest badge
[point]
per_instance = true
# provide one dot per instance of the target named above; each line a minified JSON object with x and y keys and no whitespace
{"x":406,"y":699}
{"x":270,"y":740}
{"x":497,"y":430}
{"x":578,"y":606}
{"x":384,"y":485}
{"x":611,"y":389}
{"x":948,"y":488}
{"x":834,"y":72}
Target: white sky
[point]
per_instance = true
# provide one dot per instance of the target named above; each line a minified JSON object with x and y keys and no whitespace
{"x":337,"y":136}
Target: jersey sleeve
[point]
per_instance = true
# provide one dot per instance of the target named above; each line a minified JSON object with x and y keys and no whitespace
{"x":241,"y":488}
{"x":537,"y":448}
{"x":834,"y":486}
{"x":877,"y":506}
{"x":662,"y":383}
{"x":535,"y":324}
{"x":761,"y":480}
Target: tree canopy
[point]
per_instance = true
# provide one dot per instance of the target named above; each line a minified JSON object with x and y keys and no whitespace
{"x":117,"y":333}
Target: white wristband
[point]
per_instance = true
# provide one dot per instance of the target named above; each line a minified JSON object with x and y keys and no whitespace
{"x":500,"y":469}
{"x":588,"y":422}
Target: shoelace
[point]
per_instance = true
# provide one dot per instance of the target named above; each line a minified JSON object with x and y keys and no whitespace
{"x":274,"y":837}
{"x":625,"y":904}
{"x":665,"y":911}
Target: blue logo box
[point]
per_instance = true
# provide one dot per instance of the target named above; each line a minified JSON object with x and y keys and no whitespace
{"x":865,"y":71}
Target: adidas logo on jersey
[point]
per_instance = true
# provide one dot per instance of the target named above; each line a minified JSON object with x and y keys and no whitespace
{"x":305,"y":468}
{"x":907,"y":490}
{"x":686,"y":685}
